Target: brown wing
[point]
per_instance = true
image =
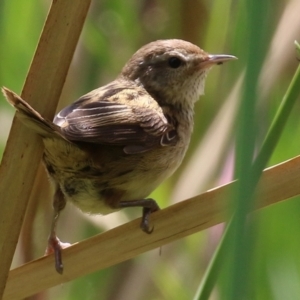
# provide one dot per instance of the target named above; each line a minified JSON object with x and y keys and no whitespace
{"x":117,"y":114}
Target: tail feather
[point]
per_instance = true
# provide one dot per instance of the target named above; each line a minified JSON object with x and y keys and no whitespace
{"x":31,"y":117}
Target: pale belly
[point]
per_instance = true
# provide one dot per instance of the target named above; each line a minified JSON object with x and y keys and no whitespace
{"x":130,"y":177}
{"x":89,"y":200}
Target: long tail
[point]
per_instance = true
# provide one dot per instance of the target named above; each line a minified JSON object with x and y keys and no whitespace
{"x":31,"y":117}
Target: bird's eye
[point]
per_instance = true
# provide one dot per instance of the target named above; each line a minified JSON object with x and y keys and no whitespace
{"x":174,"y":62}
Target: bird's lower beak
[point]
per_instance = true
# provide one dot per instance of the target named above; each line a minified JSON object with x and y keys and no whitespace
{"x":216,"y":59}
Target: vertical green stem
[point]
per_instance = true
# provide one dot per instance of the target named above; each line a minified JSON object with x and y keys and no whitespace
{"x":272,"y":137}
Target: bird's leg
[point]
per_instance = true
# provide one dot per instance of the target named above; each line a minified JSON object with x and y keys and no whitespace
{"x":149,"y":206}
{"x":54,"y":244}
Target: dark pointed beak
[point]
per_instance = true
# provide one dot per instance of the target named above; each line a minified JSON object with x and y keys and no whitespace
{"x":216,"y":59}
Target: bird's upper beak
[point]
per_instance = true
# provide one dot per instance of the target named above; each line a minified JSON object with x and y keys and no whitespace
{"x":216,"y":59}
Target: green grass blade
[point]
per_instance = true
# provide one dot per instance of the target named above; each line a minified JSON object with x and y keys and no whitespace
{"x":269,"y":144}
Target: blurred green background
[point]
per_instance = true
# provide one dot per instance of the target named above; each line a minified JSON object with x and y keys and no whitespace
{"x":113,"y":31}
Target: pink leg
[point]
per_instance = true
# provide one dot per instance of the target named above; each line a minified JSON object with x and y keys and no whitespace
{"x":54,"y":244}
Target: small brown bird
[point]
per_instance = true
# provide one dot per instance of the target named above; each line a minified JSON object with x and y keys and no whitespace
{"x":113,"y":146}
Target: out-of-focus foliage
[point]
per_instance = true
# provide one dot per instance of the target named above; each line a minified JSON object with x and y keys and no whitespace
{"x":113,"y":30}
